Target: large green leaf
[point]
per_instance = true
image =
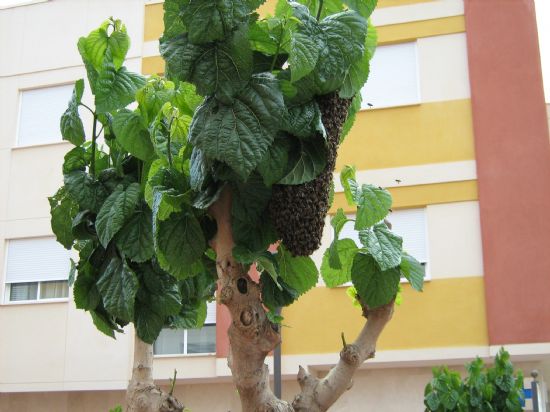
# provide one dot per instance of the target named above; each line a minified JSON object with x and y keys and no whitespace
{"x":209,"y":20}
{"x":62,"y":209}
{"x":373,"y":203}
{"x":85,"y":292}
{"x":337,"y":223}
{"x":346,"y":250}
{"x":116,"y":211}
{"x":276,"y":294}
{"x":87,"y":192}
{"x":374,"y":286}
{"x":303,"y":56}
{"x":274,"y":163}
{"x":359,"y":70}
{"x":135,"y":238}
{"x":173,"y":24}
{"x":299,"y":272}
{"x":179,"y":242}
{"x":132,"y":135}
{"x":305,"y":163}
{"x":347,"y":179}
{"x":214,"y":68}
{"x":413,"y":271}
{"x":240,"y":135}
{"x":71,"y":125}
{"x":162,"y":292}
{"x":148,"y":323}
{"x":363,"y":7}
{"x":99,"y":45}
{"x":383,"y":245}
{"x":118,"y":286}
{"x":304,"y":120}
{"x":116,"y":88}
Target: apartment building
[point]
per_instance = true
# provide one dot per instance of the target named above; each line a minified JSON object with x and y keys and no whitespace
{"x":454,"y":125}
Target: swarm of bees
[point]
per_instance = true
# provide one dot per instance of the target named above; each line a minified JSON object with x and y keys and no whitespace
{"x":298,"y":211}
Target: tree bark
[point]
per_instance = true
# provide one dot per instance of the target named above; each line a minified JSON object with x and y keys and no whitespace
{"x":143,"y":395}
{"x":252,"y":336}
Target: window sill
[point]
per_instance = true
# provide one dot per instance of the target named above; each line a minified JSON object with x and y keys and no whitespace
{"x":396,"y":106}
{"x":181,"y":355}
{"x":36,"y":302}
{"x":38,"y":145}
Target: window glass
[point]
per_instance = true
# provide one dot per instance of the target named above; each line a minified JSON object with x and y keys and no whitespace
{"x":40,"y":110}
{"x":54,"y":289}
{"x":202,"y":340}
{"x":23,"y":291}
{"x":170,"y":342}
{"x":393,"y":78}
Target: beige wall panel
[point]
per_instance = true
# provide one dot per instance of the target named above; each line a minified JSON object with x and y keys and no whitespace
{"x":443,"y":68}
{"x":5,"y":156}
{"x":417,"y":12}
{"x":454,"y":238}
{"x":189,"y":367}
{"x":35,"y":174}
{"x":92,"y":357}
{"x":57,"y":25}
{"x":35,"y":350}
{"x":97,"y":401}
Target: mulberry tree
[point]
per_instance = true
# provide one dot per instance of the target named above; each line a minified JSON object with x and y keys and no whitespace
{"x":228,"y":156}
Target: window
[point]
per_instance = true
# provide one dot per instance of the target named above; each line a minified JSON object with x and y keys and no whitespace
{"x":6,"y":4}
{"x":39,"y":114}
{"x":393,"y":78}
{"x":410,"y":224}
{"x":36,"y":270}
{"x":189,"y":341}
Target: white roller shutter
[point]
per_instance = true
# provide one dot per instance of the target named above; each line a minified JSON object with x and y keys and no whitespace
{"x":36,"y":260}
{"x":210,"y":313}
{"x":40,"y":111}
{"x":393,"y":78}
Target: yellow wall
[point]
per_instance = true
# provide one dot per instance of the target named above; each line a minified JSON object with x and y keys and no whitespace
{"x":450,"y":312}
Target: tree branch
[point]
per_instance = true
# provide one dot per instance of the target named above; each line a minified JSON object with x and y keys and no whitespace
{"x":143,"y":395}
{"x":319,"y":395}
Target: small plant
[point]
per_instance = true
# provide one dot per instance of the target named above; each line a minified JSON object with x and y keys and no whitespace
{"x":485,"y":389}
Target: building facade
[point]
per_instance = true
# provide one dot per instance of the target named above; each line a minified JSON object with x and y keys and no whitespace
{"x":458,"y":133}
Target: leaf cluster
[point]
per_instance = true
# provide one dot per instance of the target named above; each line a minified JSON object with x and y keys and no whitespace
{"x":485,"y":389}
{"x":377,"y":266}
{"x":127,"y":206}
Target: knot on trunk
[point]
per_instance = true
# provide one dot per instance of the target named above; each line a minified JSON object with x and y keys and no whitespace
{"x":351,"y":354}
{"x":226,"y":295}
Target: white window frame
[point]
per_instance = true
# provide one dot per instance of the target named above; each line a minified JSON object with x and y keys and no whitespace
{"x":5,"y":300}
{"x":185,"y":341}
{"x":7,"y":292}
{"x":16,"y":144}
{"x":414,"y":102}
{"x":11,"y":4}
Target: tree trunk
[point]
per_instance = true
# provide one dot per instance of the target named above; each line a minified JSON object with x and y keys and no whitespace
{"x":143,"y":395}
{"x":252,"y":336}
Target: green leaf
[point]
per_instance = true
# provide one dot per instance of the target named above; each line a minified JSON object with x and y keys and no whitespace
{"x":348,"y":181}
{"x":116,"y":211}
{"x":162,"y":292}
{"x":305,"y":163}
{"x":71,"y":125}
{"x":85,"y":292}
{"x":240,"y":135}
{"x":374,"y":286}
{"x":72,"y":273}
{"x":148,"y":323}
{"x":210,"y":20}
{"x":173,"y":25}
{"x":363,"y":7}
{"x":299,"y":272}
{"x":413,"y":271}
{"x":103,"y":324}
{"x":75,"y":159}
{"x":214,"y":68}
{"x":115,"y":89}
{"x":135,"y":238}
{"x":118,"y":286}
{"x":179,"y":242}
{"x":303,"y":56}
{"x":383,"y":245}
{"x":62,"y":210}
{"x":359,"y":70}
{"x":374,"y":204}
{"x":132,"y":135}
{"x":98,"y":45}
{"x":274,"y":164}
{"x":346,"y":250}
{"x":304,"y":120}
{"x":337,"y":223}
{"x":87,"y":192}
{"x":275,"y":295}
